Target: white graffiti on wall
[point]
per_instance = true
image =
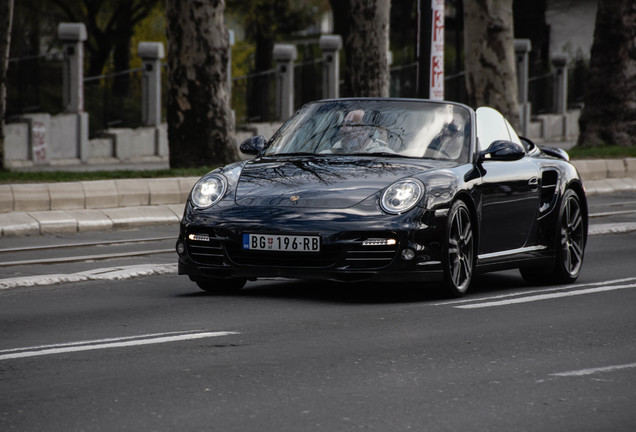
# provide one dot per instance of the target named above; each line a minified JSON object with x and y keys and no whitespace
{"x":38,"y":131}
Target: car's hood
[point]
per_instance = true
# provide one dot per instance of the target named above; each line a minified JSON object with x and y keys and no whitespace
{"x":322,"y":182}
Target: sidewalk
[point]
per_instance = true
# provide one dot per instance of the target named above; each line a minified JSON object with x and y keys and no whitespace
{"x":64,"y":208}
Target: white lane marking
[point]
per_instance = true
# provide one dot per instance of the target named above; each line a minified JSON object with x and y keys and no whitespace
{"x":539,"y":297}
{"x":611,"y":228}
{"x":109,"y":273}
{"x":614,"y":213}
{"x":86,"y":244}
{"x":534,"y":290}
{"x":592,"y":371}
{"x":84,"y":258}
{"x":129,"y":341}
{"x":94,"y":341}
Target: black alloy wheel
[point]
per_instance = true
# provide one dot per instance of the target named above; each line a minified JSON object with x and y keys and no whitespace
{"x":459,"y":251}
{"x":569,"y":244}
{"x":571,"y":239}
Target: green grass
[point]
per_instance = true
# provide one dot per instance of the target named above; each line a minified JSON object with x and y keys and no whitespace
{"x":606,"y":152}
{"x":70,"y":176}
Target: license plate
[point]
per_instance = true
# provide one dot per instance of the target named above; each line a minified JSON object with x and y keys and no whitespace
{"x":288,"y":243}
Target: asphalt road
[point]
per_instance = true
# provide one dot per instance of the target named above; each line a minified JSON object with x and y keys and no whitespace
{"x":155,"y":353}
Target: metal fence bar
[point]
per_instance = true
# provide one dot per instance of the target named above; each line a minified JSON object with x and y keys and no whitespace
{"x":57,"y":56}
{"x":113,"y":74}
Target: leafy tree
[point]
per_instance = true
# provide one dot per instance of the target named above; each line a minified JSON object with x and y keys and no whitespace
{"x":530,"y":23}
{"x":609,"y":113}
{"x":151,"y":28}
{"x":267,"y":22}
{"x":489,"y":56}
{"x":6,"y":15}
{"x":110,"y":26}
{"x":200,"y":122}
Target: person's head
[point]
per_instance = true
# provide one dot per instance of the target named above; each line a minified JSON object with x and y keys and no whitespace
{"x":354,"y":117}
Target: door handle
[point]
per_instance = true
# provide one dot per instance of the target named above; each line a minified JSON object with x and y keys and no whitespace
{"x":533,"y":183}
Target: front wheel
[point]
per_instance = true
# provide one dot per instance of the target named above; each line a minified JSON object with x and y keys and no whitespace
{"x":570,"y":245}
{"x":459,"y":251}
{"x":221,"y":286}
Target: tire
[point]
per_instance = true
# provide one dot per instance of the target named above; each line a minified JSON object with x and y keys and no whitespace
{"x":569,"y":244}
{"x":459,"y":251}
{"x":221,"y":286}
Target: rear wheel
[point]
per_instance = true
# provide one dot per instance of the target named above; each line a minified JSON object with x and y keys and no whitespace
{"x":221,"y":286}
{"x":458,"y":251}
{"x":570,"y":244}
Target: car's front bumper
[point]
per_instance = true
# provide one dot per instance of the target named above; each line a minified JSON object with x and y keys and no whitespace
{"x":210,"y":245}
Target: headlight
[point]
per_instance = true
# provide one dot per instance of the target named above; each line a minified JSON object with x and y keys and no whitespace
{"x":209,"y":190}
{"x":402,"y":196}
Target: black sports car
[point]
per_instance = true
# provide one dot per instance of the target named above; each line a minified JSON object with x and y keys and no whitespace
{"x":387,"y":189}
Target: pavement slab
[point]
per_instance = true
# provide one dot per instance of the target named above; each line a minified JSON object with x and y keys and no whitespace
{"x":132,"y":192}
{"x":165,"y":191}
{"x":100,"y":194}
{"x":54,"y":222}
{"x":91,"y":220}
{"x":6,"y":198}
{"x":18,"y":224}
{"x":66,"y":196}
{"x":31,"y":197}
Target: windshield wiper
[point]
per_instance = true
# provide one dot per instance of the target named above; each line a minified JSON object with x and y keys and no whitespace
{"x":383,"y":154}
{"x":292,"y":154}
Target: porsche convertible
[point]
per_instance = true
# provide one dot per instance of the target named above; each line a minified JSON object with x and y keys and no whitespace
{"x":414,"y":191}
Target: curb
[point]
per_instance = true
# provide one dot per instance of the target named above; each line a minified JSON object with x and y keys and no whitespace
{"x":54,"y":222}
{"x":600,"y":169}
{"x":610,"y":185}
{"x":69,"y":207}
{"x":98,"y":194}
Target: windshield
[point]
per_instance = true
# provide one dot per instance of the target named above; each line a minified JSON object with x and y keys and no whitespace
{"x":384,"y":127}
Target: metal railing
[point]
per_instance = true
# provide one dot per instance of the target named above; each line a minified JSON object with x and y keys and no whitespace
{"x":114,"y":99}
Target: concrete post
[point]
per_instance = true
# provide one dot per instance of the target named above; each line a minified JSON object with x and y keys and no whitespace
{"x":151,"y":54}
{"x":522,"y":48}
{"x":560,"y":64}
{"x":330,"y":46}
{"x":73,"y":36}
{"x":284,"y":55}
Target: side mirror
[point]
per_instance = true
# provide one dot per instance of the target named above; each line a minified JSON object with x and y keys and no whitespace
{"x":253,"y":145}
{"x":503,"y":150}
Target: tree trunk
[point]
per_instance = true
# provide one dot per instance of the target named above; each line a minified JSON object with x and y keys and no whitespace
{"x":366,"y":48}
{"x":609,"y":114}
{"x":6,"y":17}
{"x":340,"y":12}
{"x":489,"y":51}
{"x":200,"y":122}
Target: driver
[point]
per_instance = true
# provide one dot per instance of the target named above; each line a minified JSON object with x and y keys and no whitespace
{"x":355,"y":136}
